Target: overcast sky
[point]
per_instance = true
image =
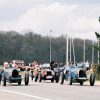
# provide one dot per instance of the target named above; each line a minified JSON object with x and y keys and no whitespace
{"x":77,"y":18}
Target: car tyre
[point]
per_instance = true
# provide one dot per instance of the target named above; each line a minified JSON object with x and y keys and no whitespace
{"x":4,"y":81}
{"x":70,"y":80}
{"x":40,"y":77}
{"x":56,"y":77}
{"x":62,"y":78}
{"x":26,"y":78}
{"x":92,"y":79}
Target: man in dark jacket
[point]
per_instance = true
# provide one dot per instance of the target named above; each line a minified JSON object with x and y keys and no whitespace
{"x":53,"y":65}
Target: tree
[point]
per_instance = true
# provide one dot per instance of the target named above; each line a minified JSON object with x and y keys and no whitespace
{"x":31,"y":46}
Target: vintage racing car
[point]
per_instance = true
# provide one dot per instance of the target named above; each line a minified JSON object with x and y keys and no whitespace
{"x":77,"y":74}
{"x":47,"y":74}
{"x":14,"y":75}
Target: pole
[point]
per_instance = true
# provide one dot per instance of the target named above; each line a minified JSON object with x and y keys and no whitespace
{"x":50,"y":45}
{"x":93,"y":53}
{"x":73,"y":51}
{"x":84,"y":53}
{"x":66,"y":50}
{"x":70,"y":50}
{"x":98,"y":51}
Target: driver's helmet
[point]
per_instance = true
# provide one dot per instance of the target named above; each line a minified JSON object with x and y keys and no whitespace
{"x":6,"y":65}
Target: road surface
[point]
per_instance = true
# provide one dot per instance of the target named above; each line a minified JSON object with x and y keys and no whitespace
{"x":50,"y":91}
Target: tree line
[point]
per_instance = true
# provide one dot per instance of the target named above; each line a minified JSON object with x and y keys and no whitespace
{"x":31,"y":46}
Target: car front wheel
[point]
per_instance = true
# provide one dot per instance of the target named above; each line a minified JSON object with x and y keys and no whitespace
{"x":57,"y":77}
{"x":92,"y":79}
{"x":62,"y":77}
{"x":26,"y":78}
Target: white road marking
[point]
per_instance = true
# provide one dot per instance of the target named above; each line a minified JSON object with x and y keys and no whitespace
{"x":23,"y":94}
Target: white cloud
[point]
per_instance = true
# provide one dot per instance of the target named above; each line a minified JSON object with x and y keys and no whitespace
{"x":78,"y":20}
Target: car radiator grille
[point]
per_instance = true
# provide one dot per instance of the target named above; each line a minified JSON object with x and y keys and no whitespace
{"x":82,"y":73}
{"x":49,"y":73}
{"x":15,"y":73}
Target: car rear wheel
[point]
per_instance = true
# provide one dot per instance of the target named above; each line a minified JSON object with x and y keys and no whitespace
{"x":92,"y":79}
{"x":70,"y":80}
{"x":4,"y":81}
{"x":40,"y":77}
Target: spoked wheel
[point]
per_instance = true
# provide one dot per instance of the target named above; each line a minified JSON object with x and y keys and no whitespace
{"x":56,"y":77}
{"x":40,"y":77}
{"x":70,"y":80}
{"x":26,"y":78}
{"x":62,"y":77}
{"x":92,"y":79}
{"x":4,"y":81}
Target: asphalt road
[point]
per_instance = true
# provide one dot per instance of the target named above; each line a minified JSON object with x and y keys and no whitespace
{"x":50,"y":91}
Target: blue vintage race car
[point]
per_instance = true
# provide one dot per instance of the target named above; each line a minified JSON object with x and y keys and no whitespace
{"x":13,"y":75}
{"x":77,"y":74}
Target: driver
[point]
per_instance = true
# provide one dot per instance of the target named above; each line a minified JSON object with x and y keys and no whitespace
{"x":5,"y":65}
{"x":16,"y":66}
